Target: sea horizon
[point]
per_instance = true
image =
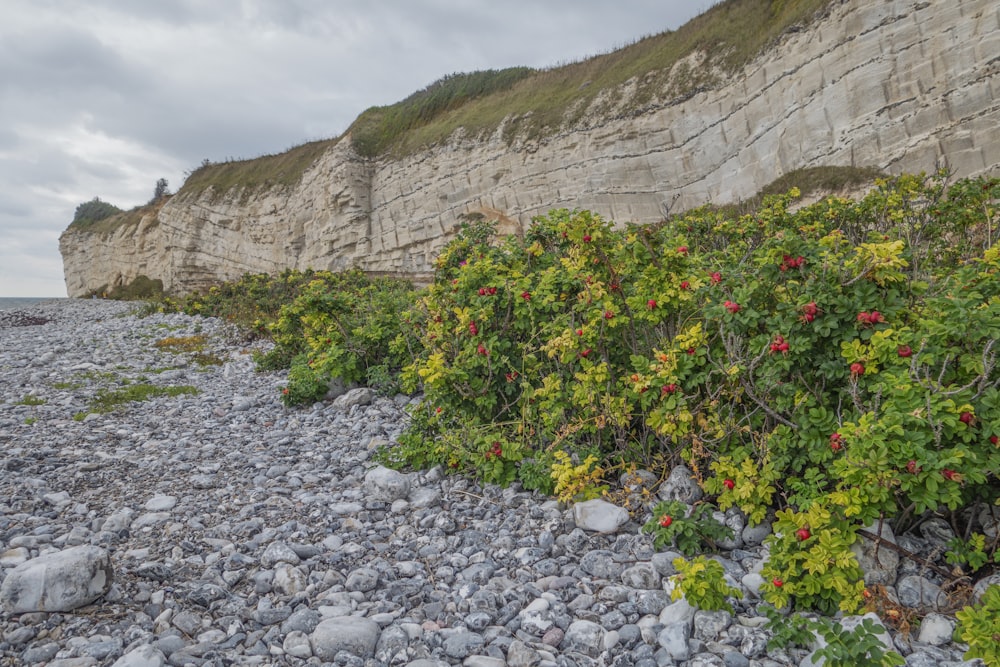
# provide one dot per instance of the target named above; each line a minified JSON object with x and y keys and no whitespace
{"x":16,"y":302}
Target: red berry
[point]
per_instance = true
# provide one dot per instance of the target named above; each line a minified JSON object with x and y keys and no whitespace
{"x":586,"y":238}
{"x":863,"y":317}
{"x":729,"y":484}
{"x":526,"y":296}
{"x":783,"y":347}
{"x":685,"y":284}
{"x":482,"y":291}
{"x":836,"y":442}
{"x":609,"y":315}
{"x":809,"y":317}
{"x":912,"y":467}
{"x":732,"y":307}
{"x":904,"y":351}
{"x":994,"y":439}
{"x":682,"y":249}
{"x":666,"y":521}
{"x":716,"y":278}
{"x":965,"y":418}
{"x":668,"y":388}
{"x":857,"y":368}
{"x":585,"y":353}
{"x":875,"y":317}
{"x":803,"y":534}
{"x":652,"y":304}
{"x":492,"y":290}
{"x":482,"y":350}
{"x":579,"y":332}
{"x":437,"y":410}
{"x":951,"y":475}
{"x":690,"y":351}
{"x":778,"y":583}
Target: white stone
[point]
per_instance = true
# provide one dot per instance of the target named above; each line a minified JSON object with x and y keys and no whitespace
{"x":584,"y":636}
{"x":936,"y":629}
{"x":143,"y":656}
{"x":599,"y":516}
{"x":59,"y":581}
{"x":160,"y":503}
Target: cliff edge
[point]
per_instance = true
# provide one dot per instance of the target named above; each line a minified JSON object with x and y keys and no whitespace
{"x":900,"y":85}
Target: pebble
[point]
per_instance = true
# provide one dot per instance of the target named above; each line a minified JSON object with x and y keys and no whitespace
{"x":240,"y":531}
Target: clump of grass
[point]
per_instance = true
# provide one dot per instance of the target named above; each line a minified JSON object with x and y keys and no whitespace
{"x":67,"y":385}
{"x":248,"y":176}
{"x":181,"y":344}
{"x":108,"y":400}
{"x":30,"y":420}
{"x":31,"y":400}
{"x":204,"y":359}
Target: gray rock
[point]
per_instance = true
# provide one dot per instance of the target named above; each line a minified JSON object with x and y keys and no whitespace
{"x":585,"y":637}
{"x":878,"y":563}
{"x":142,"y":656}
{"x":279,"y":552}
{"x":520,"y":654}
{"x":599,"y":516}
{"x":354,"y":397}
{"x":677,"y":612}
{"x":353,"y":634}
{"x":755,"y":535}
{"x":651,"y":602}
{"x":297,"y":644}
{"x":642,"y":576}
{"x":60,"y":581}
{"x":462,"y":644}
{"x":708,"y":625}
{"x":385,"y":484}
{"x":673,"y":638}
{"x":601,"y":564}
{"x":919,"y":593}
{"x":363,"y":579}
{"x":681,"y":485}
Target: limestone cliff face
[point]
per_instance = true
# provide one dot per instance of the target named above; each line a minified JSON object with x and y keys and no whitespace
{"x":902,"y":85}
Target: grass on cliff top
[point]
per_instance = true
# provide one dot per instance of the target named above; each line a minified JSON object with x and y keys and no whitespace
{"x":537,"y":102}
{"x":730,"y":35}
{"x":267,"y":171}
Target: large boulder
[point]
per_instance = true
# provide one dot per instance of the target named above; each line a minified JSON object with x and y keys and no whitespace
{"x":60,"y":581}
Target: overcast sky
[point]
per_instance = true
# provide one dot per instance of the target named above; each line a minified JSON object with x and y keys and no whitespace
{"x":101,"y":98}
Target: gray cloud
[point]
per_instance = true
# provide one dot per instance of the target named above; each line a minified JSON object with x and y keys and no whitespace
{"x":104,"y":97}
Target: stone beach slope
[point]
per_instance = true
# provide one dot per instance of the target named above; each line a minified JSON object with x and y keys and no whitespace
{"x":221,"y":528}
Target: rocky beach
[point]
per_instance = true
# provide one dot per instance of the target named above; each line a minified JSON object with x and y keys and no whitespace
{"x":211,"y":525}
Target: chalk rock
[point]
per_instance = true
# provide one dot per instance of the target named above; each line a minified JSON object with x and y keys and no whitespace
{"x":60,"y":581}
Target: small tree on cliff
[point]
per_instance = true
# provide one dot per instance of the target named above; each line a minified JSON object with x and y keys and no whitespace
{"x":160,"y":191}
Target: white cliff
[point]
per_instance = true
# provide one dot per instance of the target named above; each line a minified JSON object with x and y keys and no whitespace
{"x":902,"y":85}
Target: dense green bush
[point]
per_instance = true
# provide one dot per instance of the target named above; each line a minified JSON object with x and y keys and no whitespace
{"x":844,"y":354}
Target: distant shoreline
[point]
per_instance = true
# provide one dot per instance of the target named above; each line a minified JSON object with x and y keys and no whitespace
{"x":16,"y":302}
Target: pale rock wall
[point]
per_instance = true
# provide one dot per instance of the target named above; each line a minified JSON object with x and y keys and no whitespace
{"x":903,"y":85}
